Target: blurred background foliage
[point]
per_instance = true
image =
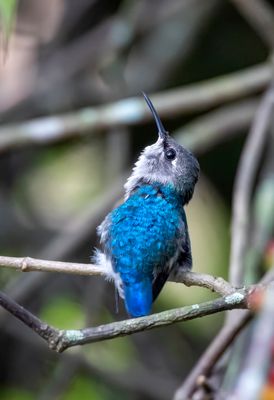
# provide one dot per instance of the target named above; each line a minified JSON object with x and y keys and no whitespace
{"x":58,"y":56}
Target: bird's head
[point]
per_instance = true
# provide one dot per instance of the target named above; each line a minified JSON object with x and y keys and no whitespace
{"x":165,"y":162}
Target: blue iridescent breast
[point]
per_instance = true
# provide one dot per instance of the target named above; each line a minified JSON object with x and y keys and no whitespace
{"x":144,"y":230}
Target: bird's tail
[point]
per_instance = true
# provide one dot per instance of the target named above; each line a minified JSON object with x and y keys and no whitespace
{"x":138,"y":297}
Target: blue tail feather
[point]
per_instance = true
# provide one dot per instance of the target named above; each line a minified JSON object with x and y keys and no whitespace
{"x":138,"y":297}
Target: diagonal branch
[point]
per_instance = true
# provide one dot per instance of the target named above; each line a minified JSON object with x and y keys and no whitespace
{"x":43,"y":330}
{"x":60,"y":340}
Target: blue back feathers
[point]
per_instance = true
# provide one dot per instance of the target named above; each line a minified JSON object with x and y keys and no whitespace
{"x":143,"y":236}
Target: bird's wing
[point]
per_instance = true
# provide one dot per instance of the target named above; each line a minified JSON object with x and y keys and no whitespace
{"x":183,"y":259}
{"x":159,"y":282}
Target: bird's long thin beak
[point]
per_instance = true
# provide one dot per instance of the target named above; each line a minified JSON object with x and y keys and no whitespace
{"x":161,"y":130}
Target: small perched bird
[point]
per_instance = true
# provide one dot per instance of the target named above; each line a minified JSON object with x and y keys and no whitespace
{"x":146,"y":237}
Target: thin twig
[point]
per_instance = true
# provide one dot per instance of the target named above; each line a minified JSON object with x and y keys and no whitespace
{"x":27,"y":264}
{"x":188,"y":99}
{"x":213,"y":283}
{"x":60,"y":340}
{"x":244,"y":184}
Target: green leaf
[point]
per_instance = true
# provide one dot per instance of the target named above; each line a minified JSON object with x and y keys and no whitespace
{"x":7,"y":15}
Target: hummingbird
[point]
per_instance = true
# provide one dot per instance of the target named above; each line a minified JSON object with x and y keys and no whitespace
{"x":146,"y":237}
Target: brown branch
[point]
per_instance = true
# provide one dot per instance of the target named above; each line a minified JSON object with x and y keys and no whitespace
{"x":260,"y":15}
{"x":60,"y":340}
{"x":244,"y":184}
{"x":188,"y":99}
{"x":213,"y":283}
{"x":27,"y":264}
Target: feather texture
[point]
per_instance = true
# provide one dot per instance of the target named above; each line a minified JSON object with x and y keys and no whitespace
{"x":141,"y":238}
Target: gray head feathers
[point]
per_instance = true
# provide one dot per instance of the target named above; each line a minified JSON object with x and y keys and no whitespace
{"x":165,"y":162}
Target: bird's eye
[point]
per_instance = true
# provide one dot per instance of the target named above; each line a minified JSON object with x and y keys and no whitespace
{"x":170,"y":154}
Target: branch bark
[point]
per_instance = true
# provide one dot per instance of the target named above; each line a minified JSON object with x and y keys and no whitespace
{"x":27,"y":264}
{"x":60,"y":340}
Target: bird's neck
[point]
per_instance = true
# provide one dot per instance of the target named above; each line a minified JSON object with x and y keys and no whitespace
{"x":168,"y":192}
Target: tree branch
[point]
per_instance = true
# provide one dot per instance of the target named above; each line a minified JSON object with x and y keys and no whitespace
{"x":213,"y":283}
{"x":43,"y":330}
{"x":188,"y":99}
{"x":27,"y":264}
{"x":60,"y":340}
